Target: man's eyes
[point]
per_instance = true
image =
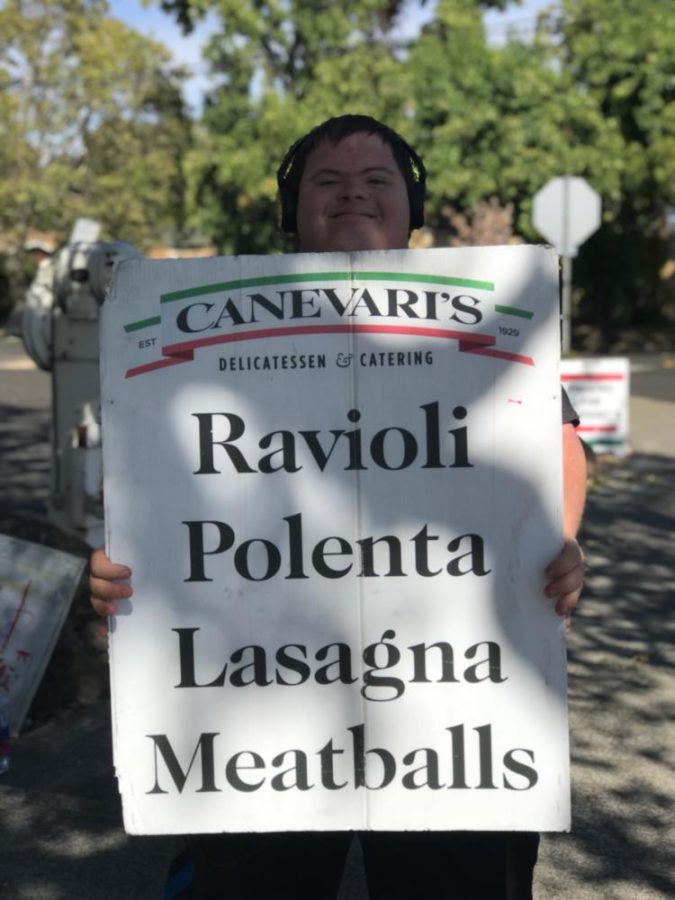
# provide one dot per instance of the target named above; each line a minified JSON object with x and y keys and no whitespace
{"x":372,"y":179}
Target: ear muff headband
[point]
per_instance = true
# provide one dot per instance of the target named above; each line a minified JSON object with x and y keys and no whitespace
{"x":293,"y":164}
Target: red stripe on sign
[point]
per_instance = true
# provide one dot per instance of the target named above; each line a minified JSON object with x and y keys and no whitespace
{"x":472,"y":339}
{"x":607,"y":376}
{"x":498,"y":354}
{"x":17,"y":616}
{"x":157,"y":364}
{"x":597,"y":429}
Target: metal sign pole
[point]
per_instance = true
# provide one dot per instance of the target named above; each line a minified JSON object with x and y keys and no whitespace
{"x":566,"y":211}
{"x":566,"y":268}
{"x":566,"y":303}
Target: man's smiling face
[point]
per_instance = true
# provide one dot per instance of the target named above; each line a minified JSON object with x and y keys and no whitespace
{"x":352,"y":196}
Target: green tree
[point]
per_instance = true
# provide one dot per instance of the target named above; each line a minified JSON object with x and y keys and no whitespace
{"x":592,"y":95}
{"x":92,"y":124}
{"x":620,"y":54}
{"x":283,"y":66}
{"x":500,"y":121}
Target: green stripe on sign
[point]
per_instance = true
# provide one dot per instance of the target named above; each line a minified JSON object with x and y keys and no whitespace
{"x":201,"y":290}
{"x":144,"y":323}
{"x":513,"y":311}
{"x":426,"y":279}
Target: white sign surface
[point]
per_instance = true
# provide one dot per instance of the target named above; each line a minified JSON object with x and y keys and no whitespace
{"x":599,"y":389}
{"x":337,"y":479}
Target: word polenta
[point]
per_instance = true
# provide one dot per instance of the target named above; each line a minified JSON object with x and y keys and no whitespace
{"x":259,"y":559}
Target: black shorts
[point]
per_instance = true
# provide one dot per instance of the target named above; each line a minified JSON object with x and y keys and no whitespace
{"x":398,"y":866}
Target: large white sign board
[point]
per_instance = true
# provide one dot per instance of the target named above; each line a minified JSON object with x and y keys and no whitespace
{"x":337,"y":479}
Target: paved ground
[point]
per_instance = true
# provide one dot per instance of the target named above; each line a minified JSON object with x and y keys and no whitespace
{"x":622,"y":696}
{"x":60,"y":833}
{"x":24,"y":432}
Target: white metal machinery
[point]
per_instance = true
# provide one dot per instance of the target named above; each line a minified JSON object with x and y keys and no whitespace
{"x":60,"y":330}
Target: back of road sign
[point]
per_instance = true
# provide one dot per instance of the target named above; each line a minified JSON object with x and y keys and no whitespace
{"x":566,"y":211}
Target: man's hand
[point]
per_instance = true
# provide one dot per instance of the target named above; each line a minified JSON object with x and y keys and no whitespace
{"x":106,"y":583}
{"x":566,"y":577}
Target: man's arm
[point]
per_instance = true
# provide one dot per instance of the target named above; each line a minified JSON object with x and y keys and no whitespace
{"x":574,"y":481}
{"x":566,"y":573}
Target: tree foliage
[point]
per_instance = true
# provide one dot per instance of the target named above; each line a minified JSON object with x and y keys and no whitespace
{"x":283,"y":67}
{"x":92,"y":121}
{"x":591,"y":95}
{"x":620,"y":55}
{"x":505,"y":121}
{"x":96,"y":124}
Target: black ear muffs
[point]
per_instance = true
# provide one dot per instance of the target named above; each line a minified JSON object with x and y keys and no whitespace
{"x":290,"y":172}
{"x":288,"y":179}
{"x":289,"y":211}
{"x":416,"y":196}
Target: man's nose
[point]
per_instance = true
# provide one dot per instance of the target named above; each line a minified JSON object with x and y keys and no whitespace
{"x":353,"y":189}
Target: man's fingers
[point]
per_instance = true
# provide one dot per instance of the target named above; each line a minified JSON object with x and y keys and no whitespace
{"x":566,"y":578}
{"x":103,"y":607}
{"x":107,"y":583}
{"x":104,"y":595}
{"x":570,"y":557}
{"x":565,"y":605}
{"x":108,"y":591}
{"x":102,"y":567}
{"x":571,"y":582}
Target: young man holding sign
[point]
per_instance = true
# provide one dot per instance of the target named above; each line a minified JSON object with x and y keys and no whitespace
{"x":352,"y":184}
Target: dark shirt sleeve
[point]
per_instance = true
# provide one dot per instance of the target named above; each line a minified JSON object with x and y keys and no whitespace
{"x":569,"y":413}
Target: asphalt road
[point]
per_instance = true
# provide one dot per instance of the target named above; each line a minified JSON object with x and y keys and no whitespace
{"x":653,"y":376}
{"x":25,"y":456}
{"x":60,"y":830}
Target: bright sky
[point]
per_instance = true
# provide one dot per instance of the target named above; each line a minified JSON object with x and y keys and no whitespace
{"x":519,"y":18}
{"x":160,"y":26}
{"x":154,"y":23}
